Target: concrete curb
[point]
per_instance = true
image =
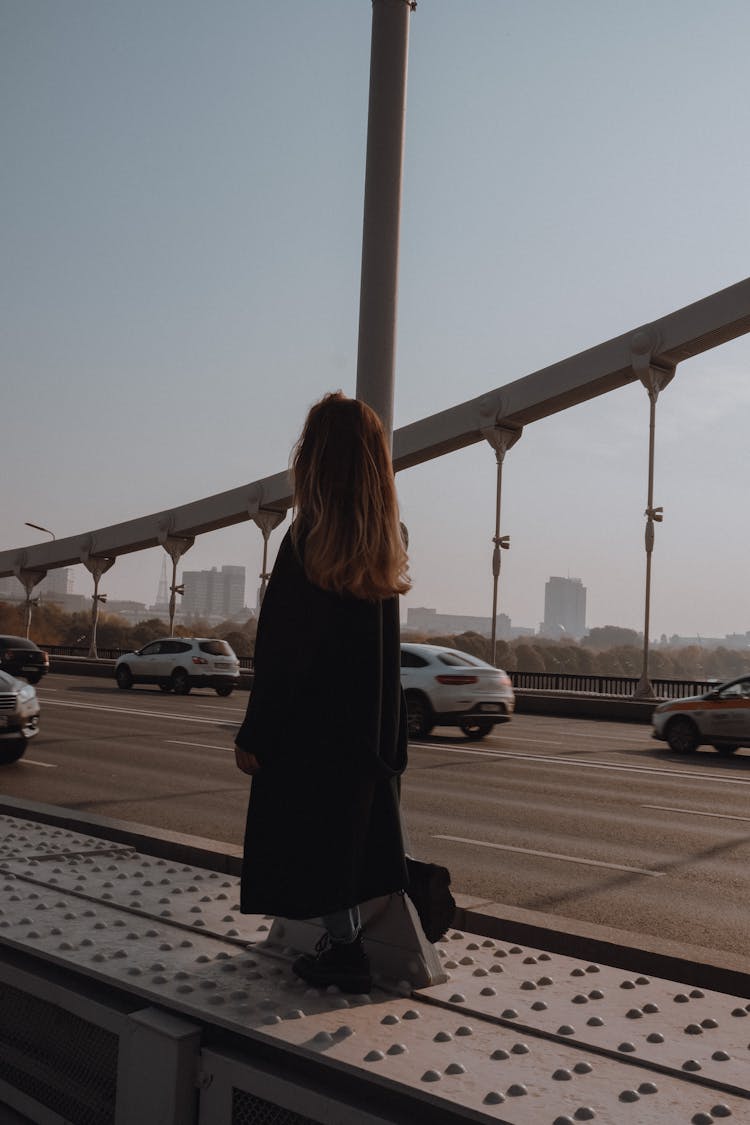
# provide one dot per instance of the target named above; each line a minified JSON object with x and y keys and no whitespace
{"x":214,"y":855}
{"x":636,"y":953}
{"x":585,"y":941}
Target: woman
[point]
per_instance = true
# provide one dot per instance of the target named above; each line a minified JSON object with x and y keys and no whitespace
{"x":325,"y":733}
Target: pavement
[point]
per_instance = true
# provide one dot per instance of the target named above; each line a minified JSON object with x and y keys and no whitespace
{"x":519,"y":1033}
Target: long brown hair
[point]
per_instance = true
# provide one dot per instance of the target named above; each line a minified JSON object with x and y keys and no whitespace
{"x":345,"y":501}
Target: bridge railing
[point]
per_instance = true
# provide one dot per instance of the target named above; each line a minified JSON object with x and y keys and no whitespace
{"x":606,"y":685}
{"x":246,"y":662}
{"x":536,"y":681}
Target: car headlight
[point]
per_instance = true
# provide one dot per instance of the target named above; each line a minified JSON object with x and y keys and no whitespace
{"x":26,"y":693}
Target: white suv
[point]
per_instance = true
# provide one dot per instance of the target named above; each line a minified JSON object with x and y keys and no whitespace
{"x":180,"y":663}
{"x":445,"y":687}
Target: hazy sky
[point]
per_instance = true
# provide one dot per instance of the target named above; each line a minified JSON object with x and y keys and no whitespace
{"x":182,"y":188}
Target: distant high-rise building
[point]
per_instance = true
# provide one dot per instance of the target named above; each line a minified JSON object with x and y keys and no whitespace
{"x":564,"y":608}
{"x":11,"y":588}
{"x":428,"y":621}
{"x":56,"y":588}
{"x":214,"y":594}
{"x":58,"y":583}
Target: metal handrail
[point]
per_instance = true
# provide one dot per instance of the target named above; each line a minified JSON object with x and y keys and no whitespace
{"x":589,"y":683}
{"x":606,"y":685}
{"x":246,"y":662}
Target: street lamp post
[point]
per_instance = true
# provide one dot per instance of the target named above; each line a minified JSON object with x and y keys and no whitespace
{"x":31,"y":580}
{"x":501,"y":437}
{"x":654,"y":373}
{"x":38,"y":527}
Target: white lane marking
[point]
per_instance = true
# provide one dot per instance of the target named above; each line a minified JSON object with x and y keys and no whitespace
{"x":695,"y":812}
{"x":133,"y":711}
{"x":575,"y":762}
{"x":480,"y":753}
{"x":536,"y":741}
{"x":608,"y":738}
{"x":33,"y":762}
{"x":202,"y":745}
{"x":551,"y":855}
{"x":223,"y":710}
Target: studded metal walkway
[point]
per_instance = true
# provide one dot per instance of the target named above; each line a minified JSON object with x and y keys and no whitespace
{"x":516,"y":1035}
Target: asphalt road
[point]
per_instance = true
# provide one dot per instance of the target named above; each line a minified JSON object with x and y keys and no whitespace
{"x":587,"y":820}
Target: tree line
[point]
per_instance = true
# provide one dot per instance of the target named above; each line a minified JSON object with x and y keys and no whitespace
{"x":606,"y":651}
{"x":50,"y":625}
{"x":597,"y":655}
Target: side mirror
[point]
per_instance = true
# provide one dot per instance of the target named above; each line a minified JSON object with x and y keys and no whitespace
{"x":713,"y":694}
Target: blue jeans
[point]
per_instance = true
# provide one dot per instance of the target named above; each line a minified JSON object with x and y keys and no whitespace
{"x":342,"y":925}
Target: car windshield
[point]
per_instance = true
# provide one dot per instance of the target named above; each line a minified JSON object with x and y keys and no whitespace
{"x":738,"y":690}
{"x":216,"y":648}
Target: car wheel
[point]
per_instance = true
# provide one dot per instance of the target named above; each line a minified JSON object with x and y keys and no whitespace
{"x":11,"y":751}
{"x":682,"y":736}
{"x":124,"y":677}
{"x":224,"y":690}
{"x":476,"y":728}
{"x":180,"y":682}
{"x":165,"y":685}
{"x":726,"y":749}
{"x":34,"y":677}
{"x":419,"y":715}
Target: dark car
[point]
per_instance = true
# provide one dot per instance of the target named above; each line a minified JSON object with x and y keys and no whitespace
{"x":19,"y":717}
{"x":21,"y":657}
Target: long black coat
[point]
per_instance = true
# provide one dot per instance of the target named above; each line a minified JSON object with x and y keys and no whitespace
{"x":323,"y":829}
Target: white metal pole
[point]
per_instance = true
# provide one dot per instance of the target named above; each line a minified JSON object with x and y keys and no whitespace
{"x":382,"y":207}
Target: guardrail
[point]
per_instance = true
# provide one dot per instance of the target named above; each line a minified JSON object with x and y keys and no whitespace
{"x":606,"y":685}
{"x":588,"y":683}
{"x":246,"y":662}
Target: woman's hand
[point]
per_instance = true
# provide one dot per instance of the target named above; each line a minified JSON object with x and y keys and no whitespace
{"x":246,"y":761}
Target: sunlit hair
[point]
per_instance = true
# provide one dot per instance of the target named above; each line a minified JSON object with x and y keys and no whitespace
{"x":345,"y":501}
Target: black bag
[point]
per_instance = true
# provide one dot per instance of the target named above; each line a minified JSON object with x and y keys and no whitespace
{"x":429,"y":891}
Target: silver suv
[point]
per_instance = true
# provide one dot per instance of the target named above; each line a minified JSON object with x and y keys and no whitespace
{"x":180,"y":663}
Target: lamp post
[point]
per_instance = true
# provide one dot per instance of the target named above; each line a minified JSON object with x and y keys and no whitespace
{"x":30,"y":581}
{"x":654,"y":372}
{"x":501,"y":437}
{"x":38,"y":527}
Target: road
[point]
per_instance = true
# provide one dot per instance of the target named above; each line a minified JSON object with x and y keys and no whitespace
{"x":586,"y":820}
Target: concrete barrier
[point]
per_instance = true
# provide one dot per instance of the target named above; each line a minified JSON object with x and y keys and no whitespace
{"x":560,"y":704}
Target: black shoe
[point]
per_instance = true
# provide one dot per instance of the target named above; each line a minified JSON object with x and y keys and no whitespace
{"x":344,"y":964}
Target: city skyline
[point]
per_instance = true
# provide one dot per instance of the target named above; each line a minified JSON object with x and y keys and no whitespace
{"x":183,"y":229}
{"x":427,"y":619}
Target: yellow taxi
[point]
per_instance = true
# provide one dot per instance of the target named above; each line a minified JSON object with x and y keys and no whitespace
{"x":720,"y":717}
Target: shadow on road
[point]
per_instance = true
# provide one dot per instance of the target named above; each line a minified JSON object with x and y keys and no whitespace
{"x":705,"y":757}
{"x":144,"y":691}
{"x":619,"y":882}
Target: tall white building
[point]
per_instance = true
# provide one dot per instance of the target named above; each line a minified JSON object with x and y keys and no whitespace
{"x":564,"y":608}
{"x":11,"y":589}
{"x":56,"y":586}
{"x":215,"y":595}
{"x":58,"y":582}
